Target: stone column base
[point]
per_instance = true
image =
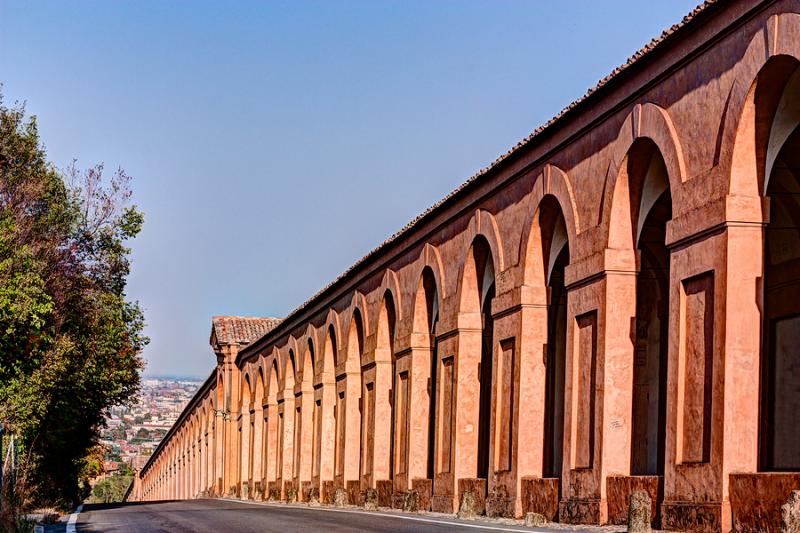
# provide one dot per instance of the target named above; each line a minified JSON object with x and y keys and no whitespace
{"x":385,"y":488}
{"x":756,"y":499}
{"x":713,"y":517}
{"x":424,"y":488}
{"x":583,"y":511}
{"x":326,"y":494}
{"x":540,"y":495}
{"x":353,"y":488}
{"x":477,"y":486}
{"x":500,"y":504}
{"x":442,"y":503}
{"x":618,"y":495}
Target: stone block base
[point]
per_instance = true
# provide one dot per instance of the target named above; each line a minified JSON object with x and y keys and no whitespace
{"x":756,"y":500}
{"x":478,"y":488}
{"x":540,"y":496}
{"x":274,"y":491}
{"x":326,"y":494}
{"x":305,"y":486}
{"x":424,"y":488}
{"x":696,"y":517}
{"x":385,"y":490}
{"x":499,"y":504}
{"x":583,"y":511}
{"x":397,"y":500}
{"x":289,"y":491}
{"x":618,"y":495}
{"x":353,"y":489}
{"x":442,"y":503}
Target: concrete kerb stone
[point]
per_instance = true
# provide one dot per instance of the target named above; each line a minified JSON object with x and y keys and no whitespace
{"x":790,"y":513}
{"x":467,"y":506}
{"x":339,"y":497}
{"x":534,"y":520}
{"x":370,"y":500}
{"x":639,"y":512}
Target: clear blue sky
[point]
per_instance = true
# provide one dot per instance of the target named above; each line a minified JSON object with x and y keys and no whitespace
{"x":274,"y":143}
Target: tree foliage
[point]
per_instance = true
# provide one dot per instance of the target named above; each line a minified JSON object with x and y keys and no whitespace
{"x":70,"y":341}
{"x":111,"y":489}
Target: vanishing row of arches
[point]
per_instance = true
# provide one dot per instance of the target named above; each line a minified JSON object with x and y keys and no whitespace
{"x":389,"y":418}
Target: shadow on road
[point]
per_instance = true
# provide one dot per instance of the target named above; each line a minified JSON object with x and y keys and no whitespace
{"x":106,"y":506}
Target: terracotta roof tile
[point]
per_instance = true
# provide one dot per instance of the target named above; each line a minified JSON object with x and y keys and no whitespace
{"x":241,"y":329}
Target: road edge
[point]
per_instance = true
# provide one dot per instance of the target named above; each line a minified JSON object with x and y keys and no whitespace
{"x":73,"y":520}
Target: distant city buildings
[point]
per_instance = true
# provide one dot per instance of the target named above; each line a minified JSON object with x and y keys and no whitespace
{"x":131,"y":434}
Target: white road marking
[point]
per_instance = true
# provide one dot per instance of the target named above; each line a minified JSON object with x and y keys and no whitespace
{"x":390,"y":515}
{"x":73,"y":519}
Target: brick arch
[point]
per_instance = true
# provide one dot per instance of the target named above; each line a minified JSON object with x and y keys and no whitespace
{"x":552,"y":181}
{"x":482,"y":224}
{"x":386,"y":329}
{"x":274,"y":378}
{"x":259,"y":392}
{"x":390,"y":283}
{"x":358,"y":303}
{"x":309,"y":365}
{"x":645,"y":122}
{"x":327,"y":362}
{"x":432,"y":259}
{"x":247,"y":385}
{"x":771,"y":55}
{"x":288,"y":373}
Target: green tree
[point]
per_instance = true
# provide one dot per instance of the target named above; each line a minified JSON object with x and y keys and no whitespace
{"x":70,"y":341}
{"x":110,"y":490}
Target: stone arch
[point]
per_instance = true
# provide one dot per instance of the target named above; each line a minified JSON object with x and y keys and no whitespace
{"x":330,"y":358}
{"x":273,"y":378}
{"x":645,"y":122}
{"x":386,"y":330}
{"x":390,"y":284}
{"x":248,"y":392}
{"x":309,"y":359}
{"x":290,"y":370}
{"x":554,"y":183}
{"x":479,"y":263}
{"x":331,"y":346}
{"x":431,"y":260}
{"x":359,"y":311}
{"x":482,"y":226}
{"x":274,"y":369}
{"x":428,"y":285}
{"x":771,"y":56}
{"x":298,"y":351}
{"x":259,"y":394}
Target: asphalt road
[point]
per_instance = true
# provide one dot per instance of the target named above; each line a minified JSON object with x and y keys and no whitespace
{"x":226,"y":516}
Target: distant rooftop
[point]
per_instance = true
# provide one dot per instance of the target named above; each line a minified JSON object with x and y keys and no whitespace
{"x":241,"y":329}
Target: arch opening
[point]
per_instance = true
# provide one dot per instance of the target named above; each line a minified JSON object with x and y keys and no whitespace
{"x":780,"y":361}
{"x":553,"y":256}
{"x":651,"y":209}
{"x":426,"y":316}
{"x":387,"y":326}
{"x":478,"y":291}
{"x":347,"y":411}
